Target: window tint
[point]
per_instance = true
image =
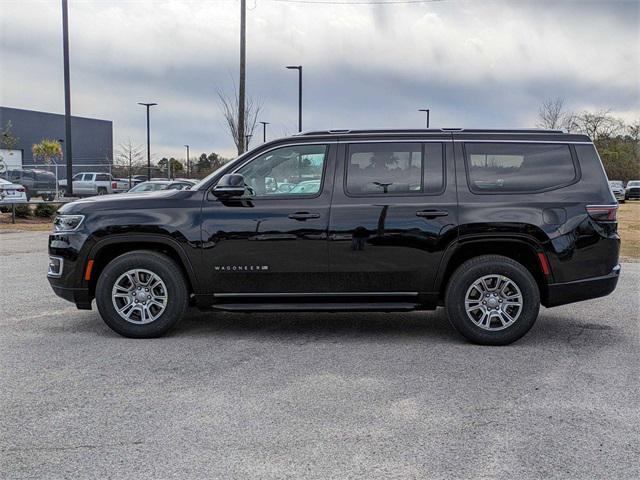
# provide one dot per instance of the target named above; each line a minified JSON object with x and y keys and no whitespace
{"x":87,"y":177}
{"x":515,"y":167}
{"x":394,"y":168}
{"x":295,"y":170}
{"x":103,"y":177}
{"x":77,"y":176}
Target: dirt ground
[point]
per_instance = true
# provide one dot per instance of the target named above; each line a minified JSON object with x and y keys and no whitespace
{"x":629,"y":229}
{"x":628,"y":226}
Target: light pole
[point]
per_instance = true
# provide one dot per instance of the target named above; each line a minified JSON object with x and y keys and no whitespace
{"x":67,"y":98}
{"x":264,"y":131}
{"x":188,"y":167}
{"x":427,"y":111}
{"x":148,"y":139}
{"x":299,"y":68}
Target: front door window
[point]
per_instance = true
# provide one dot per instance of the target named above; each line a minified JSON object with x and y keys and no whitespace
{"x":293,"y":170}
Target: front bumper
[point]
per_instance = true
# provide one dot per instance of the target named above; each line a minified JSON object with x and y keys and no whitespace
{"x":633,"y":193}
{"x":569,"y":292}
{"x":79,"y":296}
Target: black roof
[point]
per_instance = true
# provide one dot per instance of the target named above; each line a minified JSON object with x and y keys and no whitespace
{"x":464,"y":134}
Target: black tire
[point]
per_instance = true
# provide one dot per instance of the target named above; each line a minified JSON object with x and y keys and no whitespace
{"x":102,"y":191}
{"x":472,"y":270}
{"x":27,"y":194}
{"x":162,"y":266}
{"x":49,"y":198}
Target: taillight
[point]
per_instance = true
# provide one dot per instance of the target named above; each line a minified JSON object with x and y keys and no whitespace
{"x":603,"y":213}
{"x":114,"y":185}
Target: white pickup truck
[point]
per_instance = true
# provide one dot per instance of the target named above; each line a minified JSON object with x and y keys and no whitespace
{"x":94,"y":183}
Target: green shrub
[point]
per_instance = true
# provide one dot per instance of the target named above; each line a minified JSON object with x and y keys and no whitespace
{"x":5,"y":209}
{"x":23,"y":210}
{"x":45,"y":210}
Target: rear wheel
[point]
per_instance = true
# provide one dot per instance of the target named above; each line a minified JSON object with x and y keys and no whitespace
{"x":142,"y":294}
{"x":492,"y":300}
{"x":102,"y":191}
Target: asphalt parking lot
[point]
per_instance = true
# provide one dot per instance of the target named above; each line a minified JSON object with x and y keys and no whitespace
{"x":312,"y":395}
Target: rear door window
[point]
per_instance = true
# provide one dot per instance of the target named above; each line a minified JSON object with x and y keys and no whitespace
{"x":394,"y":168}
{"x":103,"y":177}
{"x":518,"y":167}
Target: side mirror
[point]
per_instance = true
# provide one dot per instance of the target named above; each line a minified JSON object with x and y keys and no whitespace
{"x":230,"y":185}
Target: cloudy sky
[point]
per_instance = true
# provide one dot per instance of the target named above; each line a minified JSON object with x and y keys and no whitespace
{"x":474,"y":63}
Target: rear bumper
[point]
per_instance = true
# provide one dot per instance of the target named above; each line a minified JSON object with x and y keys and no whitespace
{"x":563,"y":293}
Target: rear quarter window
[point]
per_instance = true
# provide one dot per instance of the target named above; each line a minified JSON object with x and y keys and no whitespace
{"x":103,"y":177}
{"x":518,"y":167}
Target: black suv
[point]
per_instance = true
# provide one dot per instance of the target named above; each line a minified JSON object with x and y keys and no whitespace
{"x":488,"y":223}
{"x":37,"y":183}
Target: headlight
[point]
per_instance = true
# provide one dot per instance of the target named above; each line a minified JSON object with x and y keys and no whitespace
{"x":67,"y":223}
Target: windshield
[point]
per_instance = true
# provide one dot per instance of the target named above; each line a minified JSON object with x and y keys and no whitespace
{"x":634,"y":183}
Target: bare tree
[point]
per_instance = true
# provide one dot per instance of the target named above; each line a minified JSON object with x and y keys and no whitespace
{"x":597,"y":125}
{"x":128,"y":156}
{"x":553,"y":115}
{"x":230,"y":111}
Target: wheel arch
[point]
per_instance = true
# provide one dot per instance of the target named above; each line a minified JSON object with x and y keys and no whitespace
{"x":521,"y":248}
{"x":109,"y":248}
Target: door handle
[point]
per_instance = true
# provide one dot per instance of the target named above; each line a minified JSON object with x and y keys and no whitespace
{"x":432,"y":213}
{"x":303,"y":216}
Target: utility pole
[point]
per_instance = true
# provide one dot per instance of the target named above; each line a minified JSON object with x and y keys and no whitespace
{"x":264,"y":131}
{"x":425,"y":110}
{"x":188,"y":166}
{"x":241,"y":87}
{"x":247,"y":138}
{"x":148,"y":139}
{"x":299,"y":68}
{"x":67,"y":98}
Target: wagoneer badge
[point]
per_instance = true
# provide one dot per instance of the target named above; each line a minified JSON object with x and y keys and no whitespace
{"x":240,"y":268}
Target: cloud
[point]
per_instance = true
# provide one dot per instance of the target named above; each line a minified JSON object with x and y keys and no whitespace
{"x":482,"y":64}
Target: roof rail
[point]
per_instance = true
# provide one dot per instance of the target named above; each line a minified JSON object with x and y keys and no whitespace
{"x":418,"y":131}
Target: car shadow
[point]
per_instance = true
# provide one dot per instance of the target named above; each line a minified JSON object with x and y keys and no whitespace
{"x":308,"y":326}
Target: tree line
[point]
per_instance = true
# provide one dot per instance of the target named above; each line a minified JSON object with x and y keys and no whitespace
{"x":618,"y":142}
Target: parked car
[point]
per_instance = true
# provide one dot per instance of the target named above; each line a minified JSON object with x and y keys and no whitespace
{"x":617,"y":188}
{"x":632,"y":192}
{"x":37,"y":183}
{"x":155,"y":185}
{"x":94,"y":183}
{"x":490,"y":224}
{"x":151,"y":186}
{"x":12,"y":193}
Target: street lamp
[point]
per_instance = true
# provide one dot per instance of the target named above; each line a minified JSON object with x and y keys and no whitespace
{"x":67,"y":97}
{"x":299,"y":68}
{"x":264,"y":131}
{"x":188,"y":167}
{"x":148,"y":139}
{"x":425,"y":110}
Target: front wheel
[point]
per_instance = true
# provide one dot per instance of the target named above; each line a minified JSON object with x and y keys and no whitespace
{"x":142,"y":294}
{"x":492,"y":300}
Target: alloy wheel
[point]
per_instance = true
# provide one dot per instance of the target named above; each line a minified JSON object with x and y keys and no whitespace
{"x":493,"y":302}
{"x":139,"y":296}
